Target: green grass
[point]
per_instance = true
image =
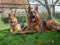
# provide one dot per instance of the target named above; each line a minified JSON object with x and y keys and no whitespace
{"x":57,"y":20}
{"x":41,"y":38}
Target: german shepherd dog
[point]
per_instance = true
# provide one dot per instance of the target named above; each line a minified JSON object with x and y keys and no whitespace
{"x":15,"y":27}
{"x":52,"y":25}
{"x":34,"y":21}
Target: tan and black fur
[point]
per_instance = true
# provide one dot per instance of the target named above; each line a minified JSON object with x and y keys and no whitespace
{"x":52,"y":25}
{"x":34,"y":21}
{"x":15,"y":27}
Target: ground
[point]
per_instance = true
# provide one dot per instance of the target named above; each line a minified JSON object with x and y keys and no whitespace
{"x":41,"y":38}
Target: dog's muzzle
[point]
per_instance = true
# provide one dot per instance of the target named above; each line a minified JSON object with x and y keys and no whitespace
{"x":11,"y":21}
{"x":32,"y":17}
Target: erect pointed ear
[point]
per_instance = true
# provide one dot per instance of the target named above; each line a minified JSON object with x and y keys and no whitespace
{"x":14,"y":15}
{"x":9,"y":15}
{"x":36,"y":8}
{"x":29,"y":9}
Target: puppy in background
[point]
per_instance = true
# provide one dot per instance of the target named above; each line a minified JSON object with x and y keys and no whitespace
{"x":15,"y":27}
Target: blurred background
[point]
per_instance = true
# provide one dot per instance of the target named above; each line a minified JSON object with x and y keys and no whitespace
{"x":47,"y":8}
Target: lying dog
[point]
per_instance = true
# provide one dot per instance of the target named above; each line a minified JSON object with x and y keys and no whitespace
{"x":52,"y":25}
{"x":15,"y":27}
{"x":34,"y":21}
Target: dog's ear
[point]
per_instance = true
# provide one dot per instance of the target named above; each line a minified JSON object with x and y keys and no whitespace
{"x":29,"y":9}
{"x":36,"y":8}
{"x":9,"y":15}
{"x":14,"y":15}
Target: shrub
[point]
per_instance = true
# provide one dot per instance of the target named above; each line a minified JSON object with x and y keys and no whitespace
{"x":20,"y":18}
{"x":57,"y":15}
{"x":4,"y":19}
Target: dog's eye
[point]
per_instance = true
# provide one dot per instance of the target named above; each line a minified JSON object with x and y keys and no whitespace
{"x":30,"y":12}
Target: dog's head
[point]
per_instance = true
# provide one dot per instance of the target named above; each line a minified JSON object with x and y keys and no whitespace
{"x":33,"y":13}
{"x":12,"y":19}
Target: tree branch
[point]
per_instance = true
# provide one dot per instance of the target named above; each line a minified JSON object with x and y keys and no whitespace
{"x":40,"y":2}
{"x":46,"y":2}
{"x":48,"y":9}
{"x":56,"y":1}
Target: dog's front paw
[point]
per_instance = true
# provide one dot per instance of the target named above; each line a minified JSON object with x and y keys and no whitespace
{"x":11,"y":30}
{"x":21,"y":32}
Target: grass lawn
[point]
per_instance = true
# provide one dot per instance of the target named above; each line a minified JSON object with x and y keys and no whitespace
{"x":41,"y":38}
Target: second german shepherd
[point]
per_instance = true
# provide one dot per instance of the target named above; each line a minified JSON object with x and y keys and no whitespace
{"x":15,"y":27}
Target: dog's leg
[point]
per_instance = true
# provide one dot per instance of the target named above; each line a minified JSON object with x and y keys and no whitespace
{"x":11,"y":30}
{"x":34,"y":24}
{"x":27,"y":32}
{"x":30,"y":26}
{"x":53,"y":30}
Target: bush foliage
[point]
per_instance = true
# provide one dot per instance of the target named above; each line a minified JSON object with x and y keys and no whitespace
{"x":20,"y":18}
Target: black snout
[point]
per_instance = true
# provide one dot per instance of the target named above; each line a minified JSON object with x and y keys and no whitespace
{"x":32,"y":16}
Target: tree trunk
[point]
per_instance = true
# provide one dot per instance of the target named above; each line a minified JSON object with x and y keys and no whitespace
{"x":48,"y":9}
{"x":53,"y":10}
{"x":49,"y":12}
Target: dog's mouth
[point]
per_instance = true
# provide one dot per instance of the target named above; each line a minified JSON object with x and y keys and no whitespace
{"x":33,"y":17}
{"x":12,"y":23}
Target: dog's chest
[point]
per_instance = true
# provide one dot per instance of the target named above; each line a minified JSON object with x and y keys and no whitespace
{"x":16,"y":27}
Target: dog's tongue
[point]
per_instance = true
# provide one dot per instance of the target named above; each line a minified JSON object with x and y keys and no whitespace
{"x":33,"y":19}
{"x":12,"y":23}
